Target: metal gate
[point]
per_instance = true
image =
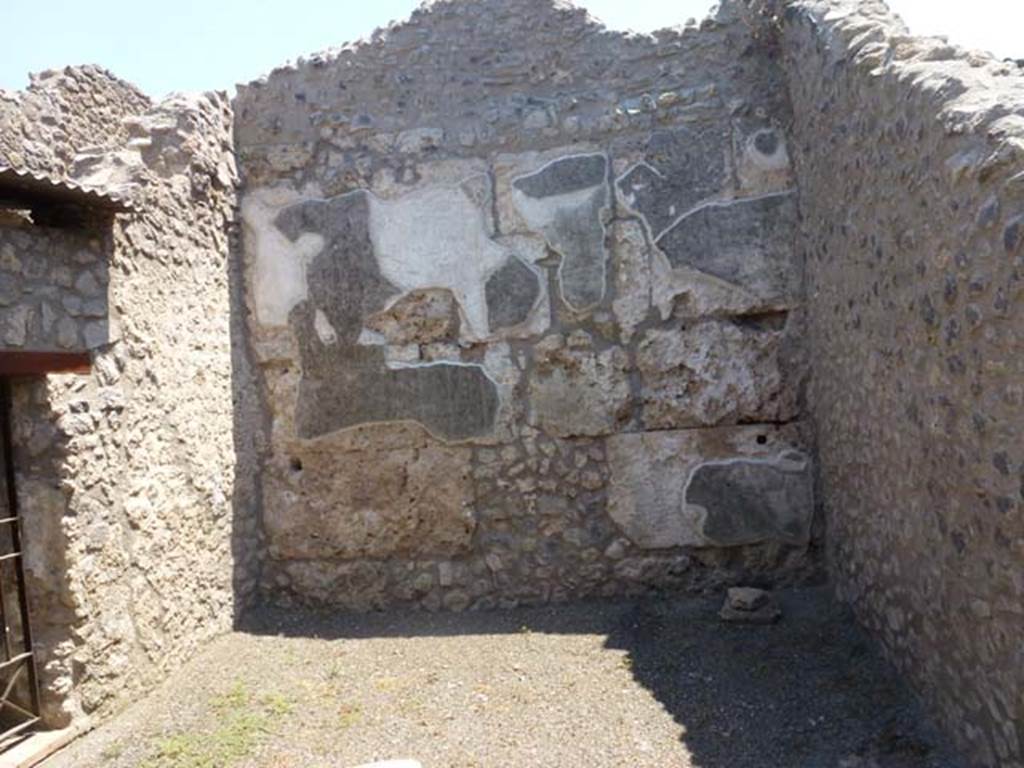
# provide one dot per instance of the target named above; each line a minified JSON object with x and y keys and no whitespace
{"x":19,"y":687}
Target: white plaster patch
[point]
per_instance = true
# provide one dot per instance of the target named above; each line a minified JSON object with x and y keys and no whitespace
{"x":543,"y":212}
{"x":324,"y":329}
{"x":401,"y":356}
{"x":369,"y":338}
{"x":438,"y":238}
{"x":276,"y":265}
{"x":502,"y":370}
{"x":529,"y":248}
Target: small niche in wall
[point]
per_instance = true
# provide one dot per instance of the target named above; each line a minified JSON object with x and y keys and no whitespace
{"x":55,"y":239}
{"x":33,"y":198}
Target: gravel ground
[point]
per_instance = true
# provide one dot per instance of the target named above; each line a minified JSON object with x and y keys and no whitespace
{"x":653,"y":682}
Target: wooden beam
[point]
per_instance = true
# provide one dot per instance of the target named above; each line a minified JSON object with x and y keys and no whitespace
{"x":19,"y":363}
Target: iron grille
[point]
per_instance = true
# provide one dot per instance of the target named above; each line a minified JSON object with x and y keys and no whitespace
{"x":19,"y":687}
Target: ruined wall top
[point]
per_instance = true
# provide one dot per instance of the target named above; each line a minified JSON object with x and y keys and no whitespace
{"x":475,"y":70}
{"x":62,"y":112}
{"x":969,"y":89}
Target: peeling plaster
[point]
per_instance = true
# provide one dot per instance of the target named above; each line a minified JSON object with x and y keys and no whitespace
{"x":572,"y":223}
{"x":278,"y":267}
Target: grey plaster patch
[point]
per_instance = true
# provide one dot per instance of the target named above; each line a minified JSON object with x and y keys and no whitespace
{"x":570,"y":174}
{"x":680,"y":168}
{"x":511,"y":293}
{"x":345,"y":263}
{"x":344,"y":383}
{"x":744,"y":242}
{"x":555,"y":202}
{"x":453,"y":401}
{"x":745,"y":501}
{"x":651,"y":481}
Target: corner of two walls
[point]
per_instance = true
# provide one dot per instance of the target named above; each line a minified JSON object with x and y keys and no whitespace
{"x":136,"y":502}
{"x":910,"y":160}
{"x":583,"y":240}
{"x":554,"y":224}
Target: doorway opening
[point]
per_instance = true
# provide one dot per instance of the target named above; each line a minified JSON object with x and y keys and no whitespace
{"x":19,"y":685}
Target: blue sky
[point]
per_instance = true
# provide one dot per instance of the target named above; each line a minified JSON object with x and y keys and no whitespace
{"x":192,"y":45}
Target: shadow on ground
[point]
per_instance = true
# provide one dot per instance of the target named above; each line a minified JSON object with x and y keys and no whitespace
{"x":809,"y":691}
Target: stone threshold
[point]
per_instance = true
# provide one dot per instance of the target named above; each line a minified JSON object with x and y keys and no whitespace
{"x":38,"y":747}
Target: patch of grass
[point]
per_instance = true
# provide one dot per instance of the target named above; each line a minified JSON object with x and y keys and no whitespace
{"x":336,"y":671}
{"x":387,"y":684}
{"x":240,"y":722}
{"x":350,"y":714}
{"x":277,"y":704}
{"x":112,"y":751}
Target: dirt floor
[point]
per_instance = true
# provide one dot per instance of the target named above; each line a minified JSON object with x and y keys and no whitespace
{"x":653,"y":682}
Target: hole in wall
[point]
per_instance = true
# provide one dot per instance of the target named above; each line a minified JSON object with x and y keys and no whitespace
{"x":766,"y":142}
{"x":771,"y":320}
{"x":762,"y":439}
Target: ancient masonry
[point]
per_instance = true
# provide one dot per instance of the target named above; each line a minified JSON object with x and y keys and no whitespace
{"x":501,"y":307}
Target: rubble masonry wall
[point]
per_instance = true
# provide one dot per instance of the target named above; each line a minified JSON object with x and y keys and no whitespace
{"x":910,"y":159}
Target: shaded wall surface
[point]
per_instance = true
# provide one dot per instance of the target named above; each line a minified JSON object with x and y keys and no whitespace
{"x":525,"y":307}
{"x":126,"y":475}
{"x":910,"y":159}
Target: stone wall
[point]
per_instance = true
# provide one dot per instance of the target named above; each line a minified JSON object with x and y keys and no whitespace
{"x":910,"y":159}
{"x":62,"y":112}
{"x":526,"y":311}
{"x":53,"y":289}
{"x":126,"y":477}
{"x":517,"y":313}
